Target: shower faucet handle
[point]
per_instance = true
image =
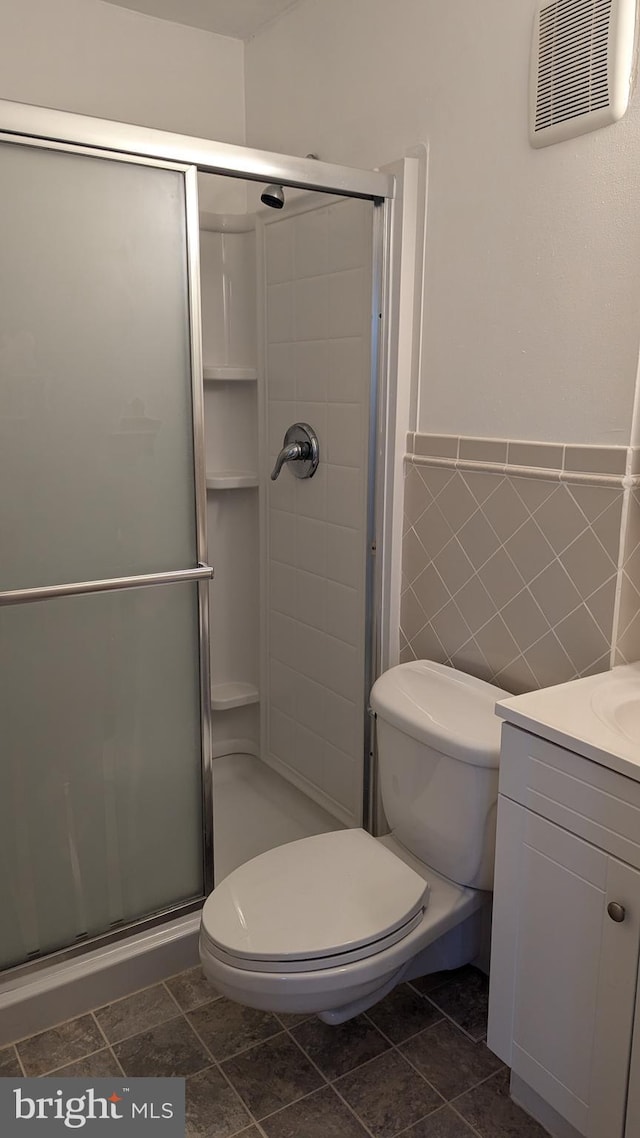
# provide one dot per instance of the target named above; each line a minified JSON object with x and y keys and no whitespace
{"x":291,"y":453}
{"x":301,"y":449}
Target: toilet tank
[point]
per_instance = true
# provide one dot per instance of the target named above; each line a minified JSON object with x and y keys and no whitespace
{"x":438,"y":757}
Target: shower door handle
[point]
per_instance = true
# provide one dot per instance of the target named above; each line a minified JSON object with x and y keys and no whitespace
{"x":301,"y":448}
{"x":110,"y":584}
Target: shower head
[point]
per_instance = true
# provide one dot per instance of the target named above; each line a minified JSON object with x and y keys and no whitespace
{"x":273,"y":195}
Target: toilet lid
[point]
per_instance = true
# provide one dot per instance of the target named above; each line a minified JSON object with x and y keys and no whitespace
{"x":317,"y":897}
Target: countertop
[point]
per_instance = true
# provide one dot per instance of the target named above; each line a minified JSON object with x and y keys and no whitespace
{"x":597,"y":717}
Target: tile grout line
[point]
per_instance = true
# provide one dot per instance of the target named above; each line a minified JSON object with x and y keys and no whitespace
{"x":396,"y":1047}
{"x":141,"y":1031}
{"x":54,"y":1027}
{"x":407,"y":1130}
{"x":475,"y":1087}
{"x":20,"y":1063}
{"x":173,"y":999}
{"x":56,"y":1070}
{"x":218,"y":1066}
{"x":412,"y":1064}
{"x":258,"y":1127}
{"x":108,"y":1043}
{"x":419,"y":1072}
{"x":445,"y":1015}
{"x":454,"y":1023}
{"x":243,"y":1050}
{"x":329,"y":1083}
{"x":245,"y":1106}
{"x":310,"y":1094}
{"x":392,"y":1047}
{"x":472,"y":1129}
{"x":479,"y":1083}
{"x":208,"y":1051}
{"x":117,"y":1061}
{"x":326,"y":1078}
{"x":353,"y":1111}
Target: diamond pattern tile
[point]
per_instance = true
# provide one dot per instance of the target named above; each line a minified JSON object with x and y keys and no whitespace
{"x":504,"y":510}
{"x":450,"y":627}
{"x":556,"y":593}
{"x":433,"y":530}
{"x":478,"y":539}
{"x":581,"y":638}
{"x":474,"y":602}
{"x":588,"y":563}
{"x":513,"y":578}
{"x":607,"y":524}
{"x":457,"y":502}
{"x":559,"y":520}
{"x":412,"y":615}
{"x":427,"y":646}
{"x":601,"y":604}
{"x":453,"y":565}
{"x":529,"y":549}
{"x":431,"y":592}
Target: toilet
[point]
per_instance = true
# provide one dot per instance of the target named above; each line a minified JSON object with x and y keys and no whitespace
{"x":331,"y":923}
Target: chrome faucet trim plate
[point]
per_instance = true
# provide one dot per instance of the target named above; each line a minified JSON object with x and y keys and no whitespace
{"x":301,"y":449}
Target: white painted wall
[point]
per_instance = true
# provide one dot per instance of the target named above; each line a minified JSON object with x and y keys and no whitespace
{"x":98,"y":59}
{"x":532,"y":300}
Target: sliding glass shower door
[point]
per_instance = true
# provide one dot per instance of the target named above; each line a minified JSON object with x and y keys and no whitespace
{"x":103,"y":675}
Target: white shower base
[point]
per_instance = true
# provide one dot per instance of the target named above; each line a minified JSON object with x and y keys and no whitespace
{"x":256,"y":809}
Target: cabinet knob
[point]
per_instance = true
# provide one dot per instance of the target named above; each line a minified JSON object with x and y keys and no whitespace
{"x":616,"y":912}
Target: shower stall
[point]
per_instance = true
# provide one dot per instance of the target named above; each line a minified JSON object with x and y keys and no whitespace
{"x":186,"y":645}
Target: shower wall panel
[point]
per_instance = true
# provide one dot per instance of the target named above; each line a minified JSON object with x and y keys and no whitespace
{"x":318,"y":283}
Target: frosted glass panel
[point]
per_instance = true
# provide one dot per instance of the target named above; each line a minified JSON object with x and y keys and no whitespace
{"x":96,"y":462}
{"x":100,"y":778}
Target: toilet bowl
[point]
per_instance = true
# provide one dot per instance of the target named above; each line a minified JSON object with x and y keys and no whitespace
{"x":331,"y":923}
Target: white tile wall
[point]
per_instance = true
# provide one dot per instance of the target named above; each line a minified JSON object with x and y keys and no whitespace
{"x":318,"y":318}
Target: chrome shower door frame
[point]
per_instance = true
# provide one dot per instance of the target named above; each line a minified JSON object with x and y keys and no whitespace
{"x":48,"y":128}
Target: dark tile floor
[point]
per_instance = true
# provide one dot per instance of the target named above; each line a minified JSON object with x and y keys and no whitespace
{"x":414,"y":1065}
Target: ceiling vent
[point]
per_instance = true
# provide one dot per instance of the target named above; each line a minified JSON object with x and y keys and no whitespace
{"x":581,"y":66}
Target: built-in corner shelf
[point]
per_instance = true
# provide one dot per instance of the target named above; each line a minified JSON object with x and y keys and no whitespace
{"x":233,"y":694}
{"x":231,"y":479}
{"x":225,"y":374}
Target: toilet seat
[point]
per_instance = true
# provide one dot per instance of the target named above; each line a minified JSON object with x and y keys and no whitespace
{"x":312,"y":904}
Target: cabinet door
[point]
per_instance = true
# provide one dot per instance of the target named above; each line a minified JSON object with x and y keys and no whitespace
{"x":563,"y":973}
{"x":633,"y":1100}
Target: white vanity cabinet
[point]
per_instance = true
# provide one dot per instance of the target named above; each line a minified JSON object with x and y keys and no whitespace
{"x":566,"y":933}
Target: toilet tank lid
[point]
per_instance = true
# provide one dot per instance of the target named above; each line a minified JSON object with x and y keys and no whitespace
{"x":443,"y":708}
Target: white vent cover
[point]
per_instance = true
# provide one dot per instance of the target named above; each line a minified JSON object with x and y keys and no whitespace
{"x":581,"y":66}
